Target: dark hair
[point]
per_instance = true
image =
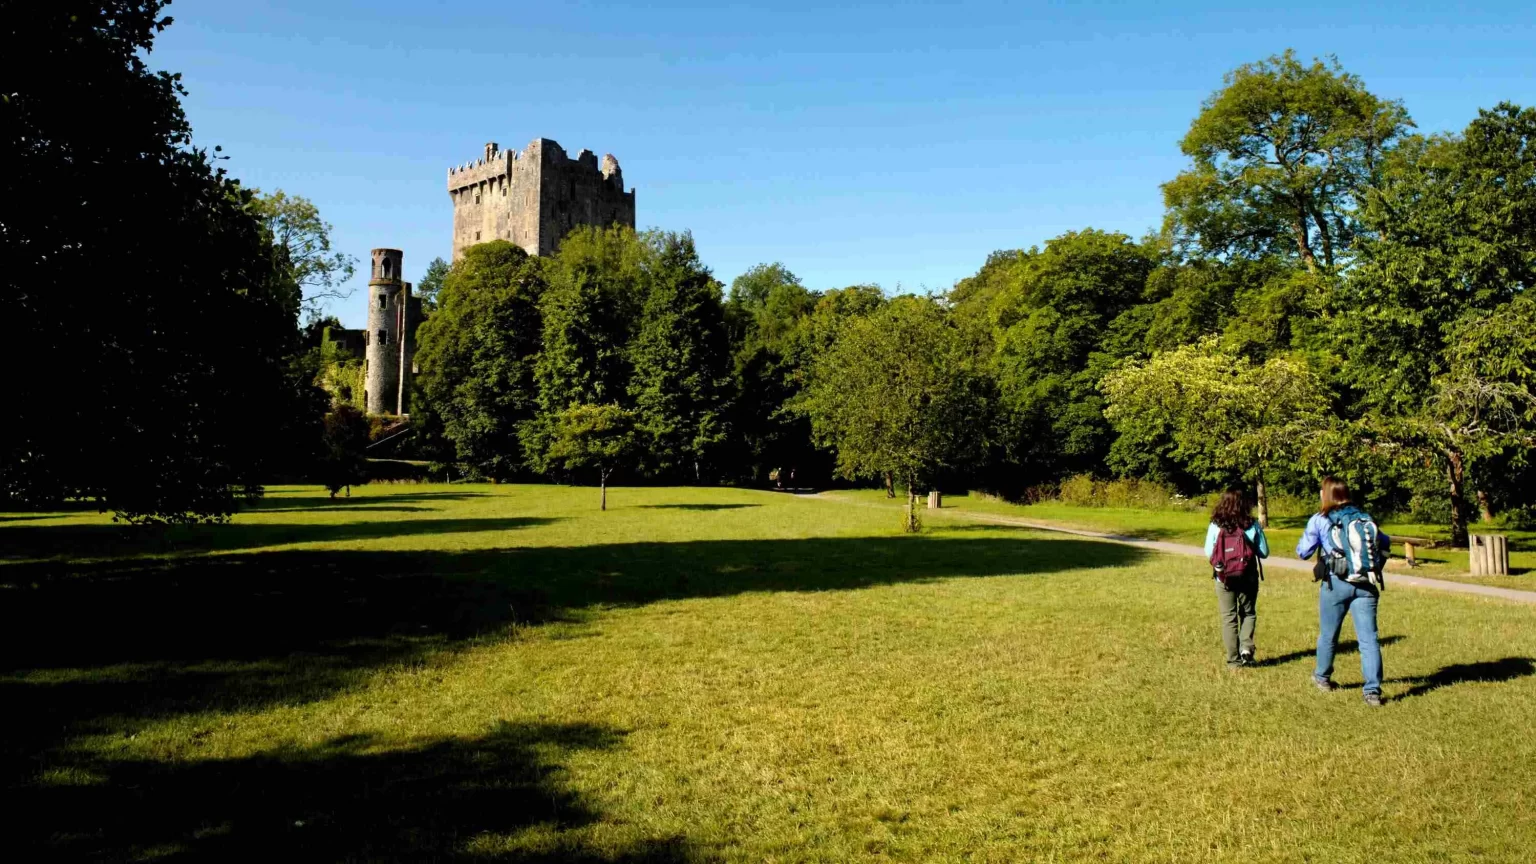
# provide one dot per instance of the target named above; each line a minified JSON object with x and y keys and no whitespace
{"x":1231,"y":513}
{"x":1335,"y":494}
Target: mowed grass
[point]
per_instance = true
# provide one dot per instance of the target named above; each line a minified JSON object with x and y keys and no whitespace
{"x":1188,"y":527}
{"x":504,"y":673}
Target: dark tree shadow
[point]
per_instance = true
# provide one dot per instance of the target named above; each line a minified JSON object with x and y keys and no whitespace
{"x":1345,"y":646}
{"x":343,"y":800}
{"x":76,"y":541}
{"x":1487,"y":671}
{"x":699,"y":507}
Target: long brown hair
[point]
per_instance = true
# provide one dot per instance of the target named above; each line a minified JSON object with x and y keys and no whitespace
{"x":1231,"y":513}
{"x":1335,"y":494}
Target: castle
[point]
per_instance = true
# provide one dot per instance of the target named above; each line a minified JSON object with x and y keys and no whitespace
{"x":533,"y":199}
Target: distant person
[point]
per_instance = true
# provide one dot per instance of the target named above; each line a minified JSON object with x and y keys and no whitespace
{"x":1354,"y":551}
{"x":1234,"y":544}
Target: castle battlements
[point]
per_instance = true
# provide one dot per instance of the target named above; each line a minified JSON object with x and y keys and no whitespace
{"x":536,"y":196}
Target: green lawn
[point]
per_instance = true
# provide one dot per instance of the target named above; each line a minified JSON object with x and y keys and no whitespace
{"x":504,"y":673}
{"x":1188,"y":527}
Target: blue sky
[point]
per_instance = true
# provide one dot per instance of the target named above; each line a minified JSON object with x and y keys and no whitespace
{"x":895,"y":143}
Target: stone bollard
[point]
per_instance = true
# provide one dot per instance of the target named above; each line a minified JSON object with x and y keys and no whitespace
{"x":934,"y":501}
{"x":1489,"y":554}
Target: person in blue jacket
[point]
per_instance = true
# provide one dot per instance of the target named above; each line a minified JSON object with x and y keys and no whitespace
{"x":1340,"y":596}
{"x":1237,"y":596}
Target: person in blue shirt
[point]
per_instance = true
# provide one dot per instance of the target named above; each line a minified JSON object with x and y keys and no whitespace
{"x":1237,"y":596}
{"x":1342,"y":596}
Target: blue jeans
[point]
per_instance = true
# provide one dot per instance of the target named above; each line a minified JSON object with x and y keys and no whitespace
{"x":1335,"y":599}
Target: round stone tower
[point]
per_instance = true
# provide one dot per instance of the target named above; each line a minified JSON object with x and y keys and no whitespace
{"x":386,"y":320}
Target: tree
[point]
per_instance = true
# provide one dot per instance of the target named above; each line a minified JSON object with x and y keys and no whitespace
{"x":432,"y":283}
{"x":303,"y":244}
{"x":343,"y":464}
{"x":1447,"y":241}
{"x":1224,"y":416}
{"x":1055,"y":336}
{"x":596,"y":287}
{"x":680,"y":357}
{"x":477,"y":354}
{"x":896,"y":393}
{"x":1281,"y":156}
{"x":600,"y":437}
{"x":158,"y":317}
{"x":764,"y":314}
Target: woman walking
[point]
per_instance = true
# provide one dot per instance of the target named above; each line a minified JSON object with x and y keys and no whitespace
{"x":1353,"y":553}
{"x":1235,"y":543}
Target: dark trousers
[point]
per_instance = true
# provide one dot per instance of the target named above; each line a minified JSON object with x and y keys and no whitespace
{"x":1237,"y":603}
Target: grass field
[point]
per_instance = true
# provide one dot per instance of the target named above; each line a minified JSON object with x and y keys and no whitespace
{"x":504,"y":673}
{"x":1188,"y":527}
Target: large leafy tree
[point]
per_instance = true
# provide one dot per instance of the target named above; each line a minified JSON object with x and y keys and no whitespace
{"x":1448,"y":240}
{"x":596,"y":289}
{"x":1055,"y":337}
{"x":432,"y":283}
{"x":766,"y":308}
{"x":136,"y":279}
{"x":477,"y":354}
{"x":681,"y":359}
{"x":302,"y":242}
{"x":1223,"y":416}
{"x":897,"y":393}
{"x":1281,"y":155}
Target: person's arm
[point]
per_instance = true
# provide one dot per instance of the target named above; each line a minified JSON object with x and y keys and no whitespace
{"x":1384,"y":540}
{"x":1211,"y":531}
{"x":1311,"y":539}
{"x":1260,"y":542}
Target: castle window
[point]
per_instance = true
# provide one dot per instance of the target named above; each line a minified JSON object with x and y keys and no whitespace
{"x":383,"y":301}
{"x":386,"y":268}
{"x":477,"y":235}
{"x":383,"y":339}
{"x":367,"y":340}
{"x":477,"y":197}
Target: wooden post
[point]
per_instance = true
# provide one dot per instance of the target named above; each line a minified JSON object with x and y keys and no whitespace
{"x":1408,"y":554}
{"x":934,"y":501}
{"x":1489,"y":555}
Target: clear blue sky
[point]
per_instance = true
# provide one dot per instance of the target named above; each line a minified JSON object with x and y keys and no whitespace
{"x":895,"y":143}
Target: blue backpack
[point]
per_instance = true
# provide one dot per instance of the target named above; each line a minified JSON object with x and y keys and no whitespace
{"x":1357,"y":555}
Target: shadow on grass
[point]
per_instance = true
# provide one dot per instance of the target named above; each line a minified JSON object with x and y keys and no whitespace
{"x":108,"y":647}
{"x":1345,"y":646}
{"x":1488,"y":671}
{"x":699,"y":507}
{"x":98,"y":540}
{"x":343,"y":800}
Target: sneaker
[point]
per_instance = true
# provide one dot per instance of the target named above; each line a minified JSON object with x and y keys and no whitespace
{"x":1324,"y":684}
{"x":1246,"y":657}
{"x":1373,"y":699}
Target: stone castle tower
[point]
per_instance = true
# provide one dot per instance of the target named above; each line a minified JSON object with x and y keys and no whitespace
{"x":389,"y":340}
{"x":534,"y":198}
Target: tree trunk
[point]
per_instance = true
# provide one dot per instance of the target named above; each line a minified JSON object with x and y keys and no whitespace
{"x":911,"y":524}
{"x":602,"y":483}
{"x":1261,"y":495}
{"x":1299,"y":227}
{"x":1457,"y":474}
{"x":890,"y":485}
{"x":1484,"y":506}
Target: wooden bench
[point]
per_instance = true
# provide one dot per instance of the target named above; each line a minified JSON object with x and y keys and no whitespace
{"x":1410,"y":546}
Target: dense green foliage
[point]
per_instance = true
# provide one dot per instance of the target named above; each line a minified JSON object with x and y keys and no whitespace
{"x":160,"y":326}
{"x":1329,"y":294}
{"x":477,"y":353}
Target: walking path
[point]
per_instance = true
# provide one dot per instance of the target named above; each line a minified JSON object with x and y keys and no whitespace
{"x":1394,"y":578}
